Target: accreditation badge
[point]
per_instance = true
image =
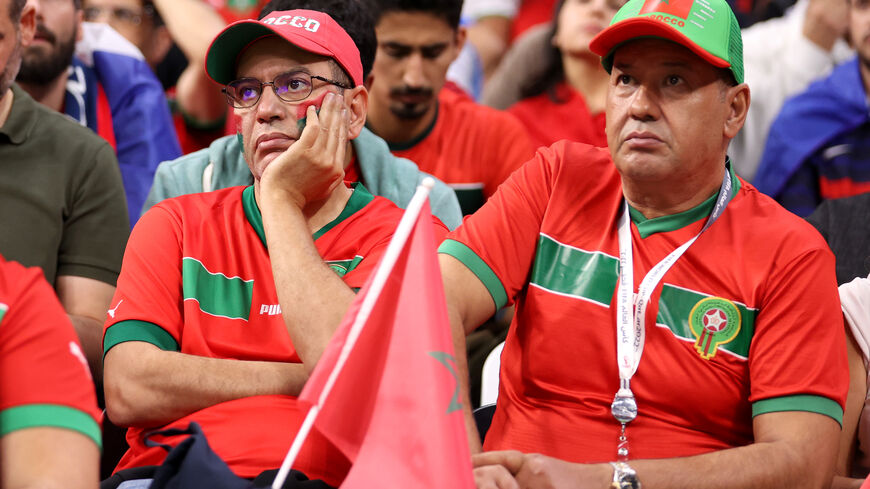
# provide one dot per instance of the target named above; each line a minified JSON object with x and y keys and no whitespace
{"x":714,"y":321}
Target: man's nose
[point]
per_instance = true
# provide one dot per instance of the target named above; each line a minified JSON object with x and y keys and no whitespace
{"x":413,"y":73}
{"x":270,"y":107}
{"x":644,"y":104}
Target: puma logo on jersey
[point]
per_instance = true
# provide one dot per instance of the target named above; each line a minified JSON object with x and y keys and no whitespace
{"x":270,"y":309}
{"x":77,"y":352}
{"x":112,"y":310}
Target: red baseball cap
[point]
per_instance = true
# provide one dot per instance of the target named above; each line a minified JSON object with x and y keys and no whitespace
{"x":313,"y":31}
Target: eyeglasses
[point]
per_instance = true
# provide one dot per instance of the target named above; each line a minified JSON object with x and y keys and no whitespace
{"x":122,"y":15}
{"x":290,"y":87}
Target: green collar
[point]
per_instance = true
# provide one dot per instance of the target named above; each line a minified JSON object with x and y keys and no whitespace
{"x":358,"y":199}
{"x":402,"y":146}
{"x":648,"y":227}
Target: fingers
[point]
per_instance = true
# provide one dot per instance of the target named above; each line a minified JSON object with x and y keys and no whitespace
{"x":494,"y":477}
{"x":511,"y":460}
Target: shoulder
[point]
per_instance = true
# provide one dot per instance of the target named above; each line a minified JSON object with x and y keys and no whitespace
{"x":461,"y":108}
{"x":201,"y":206}
{"x":766,"y":221}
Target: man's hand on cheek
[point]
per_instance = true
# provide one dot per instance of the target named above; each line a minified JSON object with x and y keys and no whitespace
{"x":310,"y":169}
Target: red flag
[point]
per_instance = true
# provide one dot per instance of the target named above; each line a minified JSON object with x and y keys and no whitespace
{"x":394,"y":408}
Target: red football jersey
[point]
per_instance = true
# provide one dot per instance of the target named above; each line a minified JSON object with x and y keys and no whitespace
{"x":197,"y":279}
{"x":470,"y":147}
{"x":44,"y":375}
{"x":746,"y":322}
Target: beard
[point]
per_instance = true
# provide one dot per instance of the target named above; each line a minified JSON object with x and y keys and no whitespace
{"x":39,"y":67}
{"x":411,"y":110}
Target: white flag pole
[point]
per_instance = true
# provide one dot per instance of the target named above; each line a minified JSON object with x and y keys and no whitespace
{"x":385,"y":268}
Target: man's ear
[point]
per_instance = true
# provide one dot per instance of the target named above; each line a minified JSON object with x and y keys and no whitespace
{"x":27,"y":24}
{"x":738,"y":107}
{"x":461,"y":36}
{"x":358,"y":105}
{"x":80,"y":17}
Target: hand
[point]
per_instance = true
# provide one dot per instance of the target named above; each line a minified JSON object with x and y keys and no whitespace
{"x":312,"y":167}
{"x":826,"y":21}
{"x":536,"y":471}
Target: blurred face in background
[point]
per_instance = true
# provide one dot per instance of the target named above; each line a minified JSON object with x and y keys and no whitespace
{"x":859,"y":29}
{"x":133,"y":19}
{"x":414,"y":51}
{"x":58,"y":24}
{"x":13,"y":37}
{"x":579,"y":21}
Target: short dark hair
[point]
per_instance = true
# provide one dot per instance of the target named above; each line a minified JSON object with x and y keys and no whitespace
{"x":447,"y":10}
{"x":354,"y":16}
{"x":15,"y":9}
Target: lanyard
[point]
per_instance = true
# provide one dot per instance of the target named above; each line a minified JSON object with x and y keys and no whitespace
{"x":631,"y":308}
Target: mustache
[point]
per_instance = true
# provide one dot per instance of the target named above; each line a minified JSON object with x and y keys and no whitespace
{"x":43,"y":32}
{"x":400,"y":91}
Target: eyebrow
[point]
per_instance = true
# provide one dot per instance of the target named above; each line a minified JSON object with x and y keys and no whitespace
{"x":398,"y":45}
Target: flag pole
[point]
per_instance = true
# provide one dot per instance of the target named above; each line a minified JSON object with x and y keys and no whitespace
{"x":391,"y":255}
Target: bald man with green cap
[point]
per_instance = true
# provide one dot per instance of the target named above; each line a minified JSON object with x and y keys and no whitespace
{"x":674,"y":327}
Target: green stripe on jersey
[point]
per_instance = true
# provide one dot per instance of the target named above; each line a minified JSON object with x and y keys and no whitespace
{"x":592,"y":276}
{"x":50,"y":416}
{"x":132,"y":330}
{"x":469,"y":258}
{"x":217,"y":294}
{"x":3,"y":309}
{"x":675,"y":311}
{"x":343,"y":267}
{"x":571,"y":271}
{"x":804,"y":402}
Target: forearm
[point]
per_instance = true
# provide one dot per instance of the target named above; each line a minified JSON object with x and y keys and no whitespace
{"x":313,"y":298}
{"x":193,"y":38}
{"x":146,"y":386}
{"x":198,"y":97}
{"x":756,"y":466}
{"x":90,"y":333}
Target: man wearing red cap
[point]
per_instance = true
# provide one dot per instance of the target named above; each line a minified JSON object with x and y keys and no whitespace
{"x":674,"y":327}
{"x":227,"y":299}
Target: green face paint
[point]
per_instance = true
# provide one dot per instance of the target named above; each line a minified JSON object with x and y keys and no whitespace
{"x":302,"y":111}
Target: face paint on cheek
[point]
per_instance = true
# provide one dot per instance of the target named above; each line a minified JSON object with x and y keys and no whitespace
{"x":302,"y":110}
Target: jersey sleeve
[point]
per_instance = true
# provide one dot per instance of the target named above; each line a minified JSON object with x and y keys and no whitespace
{"x":97,"y":227}
{"x":147,"y":305}
{"x":44,"y":376}
{"x":797,"y":361}
{"x":497,"y":243}
{"x":514,"y":149}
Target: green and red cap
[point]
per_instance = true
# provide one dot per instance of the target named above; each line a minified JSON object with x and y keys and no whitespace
{"x":707,"y":27}
{"x":312,"y":31}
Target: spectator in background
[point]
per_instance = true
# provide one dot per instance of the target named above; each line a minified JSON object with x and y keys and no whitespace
{"x":844,"y":225}
{"x":567,"y":100}
{"x":198,"y":108}
{"x":62,"y":198}
{"x":782,"y":57}
{"x":223,"y":163}
{"x":818,"y":145}
{"x":470,"y":147}
{"x":853,"y":462}
{"x":49,"y":421}
{"x":106,"y":87}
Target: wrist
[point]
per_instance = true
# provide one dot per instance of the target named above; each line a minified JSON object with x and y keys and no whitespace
{"x":624,"y":477}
